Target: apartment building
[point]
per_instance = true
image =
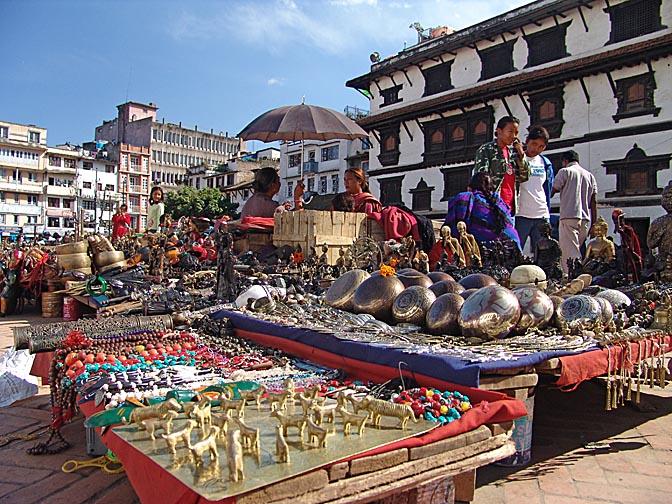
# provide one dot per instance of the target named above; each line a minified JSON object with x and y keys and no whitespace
{"x":60,"y":190}
{"x":22,"y":155}
{"x":596,"y":74}
{"x":98,"y":196}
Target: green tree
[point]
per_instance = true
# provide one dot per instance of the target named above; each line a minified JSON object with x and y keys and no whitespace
{"x":190,"y":202}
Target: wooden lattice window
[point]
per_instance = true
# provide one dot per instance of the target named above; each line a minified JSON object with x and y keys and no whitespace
{"x":455,"y":181}
{"x":390,"y":190}
{"x":634,"y":19}
{"x":437,"y":78}
{"x":390,"y":95}
{"x":389,"y":146}
{"x":422,"y":197}
{"x":497,"y":60}
{"x":637,"y":173}
{"x":547,"y":45}
{"x":546,"y":110}
{"x":635,"y":96}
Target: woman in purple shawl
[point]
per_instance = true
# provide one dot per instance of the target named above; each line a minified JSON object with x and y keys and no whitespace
{"x":487,"y":217}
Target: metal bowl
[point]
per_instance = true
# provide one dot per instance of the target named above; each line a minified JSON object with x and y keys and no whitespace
{"x":437,"y":276}
{"x":442,"y":317}
{"x":79,"y":247}
{"x":412,"y":304}
{"x":467,"y":292}
{"x":536,"y":308}
{"x":410,"y":276}
{"x":617,"y":298}
{"x":446,"y":286}
{"x":477,"y":280}
{"x":489,"y":313}
{"x":376,"y":296}
{"x":108,"y":257}
{"x":606,"y":310}
{"x":579,"y":312}
{"x":341,"y":294}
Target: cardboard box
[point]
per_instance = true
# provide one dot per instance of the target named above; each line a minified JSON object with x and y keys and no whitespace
{"x":313,"y":228}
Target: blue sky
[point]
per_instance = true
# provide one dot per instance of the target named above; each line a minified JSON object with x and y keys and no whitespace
{"x":67,"y":64}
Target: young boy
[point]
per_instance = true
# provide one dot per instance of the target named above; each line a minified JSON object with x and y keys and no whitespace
{"x":504,"y":159}
{"x":534,"y":199}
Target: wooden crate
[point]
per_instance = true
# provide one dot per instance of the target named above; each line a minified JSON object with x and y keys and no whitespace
{"x":314,"y":228}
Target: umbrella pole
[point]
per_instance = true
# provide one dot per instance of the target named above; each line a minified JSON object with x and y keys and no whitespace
{"x":301,"y":165}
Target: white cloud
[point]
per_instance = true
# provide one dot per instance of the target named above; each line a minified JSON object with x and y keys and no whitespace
{"x":334,"y":27}
{"x":275,"y":81}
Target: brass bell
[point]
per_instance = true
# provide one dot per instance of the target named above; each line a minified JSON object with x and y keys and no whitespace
{"x":341,"y":293}
{"x":412,"y":304}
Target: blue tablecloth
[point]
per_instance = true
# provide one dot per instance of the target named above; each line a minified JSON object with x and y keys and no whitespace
{"x":449,"y":369}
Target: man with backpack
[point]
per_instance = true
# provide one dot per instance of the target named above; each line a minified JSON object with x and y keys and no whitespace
{"x":534,"y":198}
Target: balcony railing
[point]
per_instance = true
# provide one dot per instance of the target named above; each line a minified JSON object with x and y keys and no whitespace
{"x":310,"y":167}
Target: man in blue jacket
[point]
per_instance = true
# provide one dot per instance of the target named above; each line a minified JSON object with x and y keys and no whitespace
{"x":534,"y":199}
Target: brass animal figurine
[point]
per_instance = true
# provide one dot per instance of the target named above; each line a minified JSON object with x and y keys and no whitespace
{"x":208,"y":445}
{"x":229,"y":404}
{"x":305,"y":402}
{"x":234,"y":456}
{"x":297,"y":421}
{"x":253,"y":395}
{"x":181,"y":435}
{"x":289,"y":386}
{"x":188,"y":408}
{"x":322,"y":413}
{"x":379,"y":408}
{"x":278,"y":400}
{"x":317,"y":433}
{"x":281,"y":446}
{"x":249,"y":436}
{"x":350,"y":419}
{"x":157,"y":411}
{"x":202,"y":415}
{"x":222,"y":421}
{"x":357,"y":404}
{"x":165,"y":424}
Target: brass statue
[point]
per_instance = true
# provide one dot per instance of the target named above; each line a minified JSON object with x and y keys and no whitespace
{"x":600,"y":248}
{"x":234,"y":456}
{"x":660,"y":234}
{"x":547,"y":254}
{"x":379,"y":408}
{"x":281,"y":446}
{"x":208,"y":445}
{"x":183,"y":435}
{"x":159,"y":411}
{"x":165,"y":424}
{"x":472,"y":252}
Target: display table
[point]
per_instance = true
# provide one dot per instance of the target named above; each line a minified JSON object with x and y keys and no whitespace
{"x":430,"y":459}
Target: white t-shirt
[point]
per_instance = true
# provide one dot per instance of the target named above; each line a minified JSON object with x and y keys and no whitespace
{"x":532,"y":198}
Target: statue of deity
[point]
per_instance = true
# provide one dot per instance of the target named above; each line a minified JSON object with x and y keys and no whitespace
{"x":632,"y":252}
{"x":472,"y":252}
{"x":660,"y":234}
{"x":600,"y":248}
{"x":547,"y":254}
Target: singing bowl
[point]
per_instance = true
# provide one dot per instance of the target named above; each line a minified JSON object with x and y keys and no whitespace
{"x":536,"y":308}
{"x":477,"y":280}
{"x":410,"y":276}
{"x":79,"y":247}
{"x":617,"y":298}
{"x":489,"y":313}
{"x":446,"y":286}
{"x":579,"y":312}
{"x":108,"y":257}
{"x":341,"y":293}
{"x":442,"y":316}
{"x":73,"y":261}
{"x":606,"y":310}
{"x":437,"y":276}
{"x":467,"y":292}
{"x":412,"y":304}
{"x":376,"y":296}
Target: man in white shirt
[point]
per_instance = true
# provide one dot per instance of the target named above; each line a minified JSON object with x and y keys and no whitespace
{"x":578,"y":205}
{"x":534,"y":199}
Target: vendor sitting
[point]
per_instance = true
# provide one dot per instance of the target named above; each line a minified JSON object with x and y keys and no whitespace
{"x":357,"y":187}
{"x":487,"y":217}
{"x":266,"y":185}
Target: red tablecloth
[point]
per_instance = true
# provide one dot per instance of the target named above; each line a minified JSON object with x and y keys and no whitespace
{"x":581,"y":367}
{"x":41,"y":365}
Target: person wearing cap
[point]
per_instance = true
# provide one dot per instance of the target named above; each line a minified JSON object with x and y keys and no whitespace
{"x":632,"y":252}
{"x":578,"y":205}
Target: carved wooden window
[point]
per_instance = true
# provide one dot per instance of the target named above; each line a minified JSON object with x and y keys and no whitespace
{"x":455,"y":181}
{"x":637,"y":174}
{"x":546,"y":110}
{"x":633,"y":19}
{"x":457,"y":138}
{"x":497,"y":60}
{"x":389,"y":146}
{"x":437,"y":78}
{"x":390,"y":95}
{"x":635,"y":97}
{"x":547,"y":45}
{"x":422,"y":197}
{"x":390,"y":190}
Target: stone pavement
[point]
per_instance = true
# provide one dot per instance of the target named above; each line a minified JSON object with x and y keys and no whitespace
{"x":635,"y":468}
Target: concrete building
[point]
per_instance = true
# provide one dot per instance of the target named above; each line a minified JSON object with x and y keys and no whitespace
{"x":173,"y":148}
{"x":595,"y":73}
{"x":22,"y":177}
{"x":60,"y":190}
{"x":97,"y":190}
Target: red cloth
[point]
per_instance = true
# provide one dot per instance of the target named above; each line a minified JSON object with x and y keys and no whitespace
{"x":120,"y":224}
{"x":41,"y":365}
{"x":585,"y":366}
{"x":396,"y":223}
{"x":436,"y":252}
{"x":260,"y":223}
{"x":366,"y":202}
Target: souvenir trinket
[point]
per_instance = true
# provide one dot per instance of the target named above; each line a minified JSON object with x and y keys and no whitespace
{"x":341,"y":294}
{"x":410,"y":276}
{"x":536,"y":308}
{"x":477,"y":280}
{"x":578,"y":312}
{"x":376,"y":296}
{"x":446,"y":286}
{"x":489,"y":313}
{"x":442,"y":316}
{"x":528,"y":275}
{"x":412,"y":304}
